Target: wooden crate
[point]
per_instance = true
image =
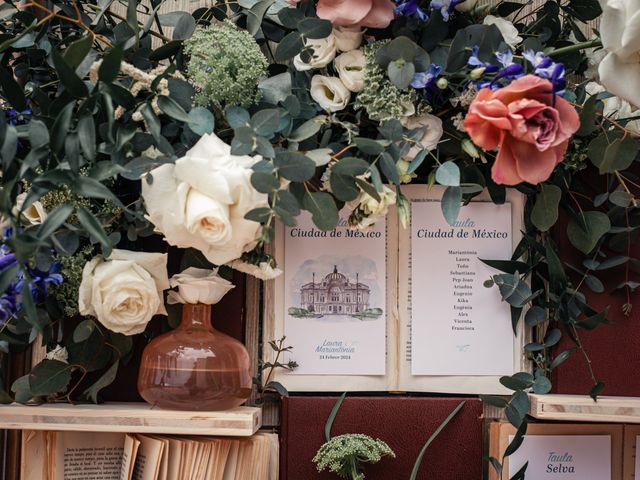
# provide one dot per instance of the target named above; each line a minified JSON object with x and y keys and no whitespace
{"x":582,"y":408}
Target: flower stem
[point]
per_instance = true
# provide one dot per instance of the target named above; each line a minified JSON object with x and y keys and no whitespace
{"x":576,"y":47}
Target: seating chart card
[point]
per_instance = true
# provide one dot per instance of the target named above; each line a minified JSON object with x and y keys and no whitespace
{"x":459,"y":327}
{"x":563,"y":457}
{"x":335,"y":298}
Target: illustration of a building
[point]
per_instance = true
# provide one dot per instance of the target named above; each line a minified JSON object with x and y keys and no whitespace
{"x":335,"y":295}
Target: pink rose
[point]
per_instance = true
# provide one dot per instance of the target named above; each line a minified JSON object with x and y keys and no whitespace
{"x":366,"y":13}
{"x":529,"y":127}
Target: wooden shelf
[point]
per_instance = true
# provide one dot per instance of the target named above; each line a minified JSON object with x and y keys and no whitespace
{"x":582,"y":408}
{"x":130,"y":418}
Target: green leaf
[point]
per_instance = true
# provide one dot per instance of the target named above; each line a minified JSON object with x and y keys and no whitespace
{"x":173,"y":109}
{"x":350,"y":166}
{"x":498,"y":402}
{"x":87,"y":136}
{"x":7,"y":277}
{"x":518,"y":381}
{"x":560,"y":358}
{"x":104,"y":381}
{"x":535,"y":316}
{"x":67,"y":75}
{"x":618,"y":155}
{"x":185,"y":26}
{"x":11,"y":90}
{"x":370,"y":146}
{"x":83,"y":330}
{"x":264,"y":182}
{"x":76,"y":52}
{"x":596,"y":390}
{"x":315,"y":28}
{"x":266,"y":122}
{"x":588,"y":117}
{"x":308,"y":129}
{"x":451,"y":203}
{"x":49,"y":377}
{"x":513,"y":289}
{"x":545,"y":211}
{"x":585,"y":232}
{"x":323,"y":209}
{"x":61,"y":127}
{"x":94,"y":228}
{"x":289,"y":47}
{"x":557,"y":275}
{"x":38,"y":133}
{"x":21,"y":389}
{"x":91,"y":188}
{"x":110,"y":66}
{"x":295,"y":166}
{"x":401,"y":74}
{"x":237,"y":116}
{"x":332,"y":417}
{"x":416,"y":466}
{"x":201,"y":121}
{"x":343,"y":187}
{"x":388,"y":167}
{"x":255,"y":15}
{"x":54,"y":220}
{"x":448,"y":174}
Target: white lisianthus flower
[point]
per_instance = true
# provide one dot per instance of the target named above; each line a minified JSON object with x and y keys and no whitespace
{"x":620,"y":33}
{"x":350,"y":67}
{"x":431,"y":136}
{"x":348,"y":38}
{"x":330,"y":93}
{"x":124,"y":291}
{"x":198,"y":285}
{"x":34,"y":213}
{"x":59,"y":353}
{"x":615,"y":107}
{"x":323,"y":51}
{"x":367,"y":210}
{"x":509,"y":33}
{"x":263,"y":271}
{"x":200,"y":202}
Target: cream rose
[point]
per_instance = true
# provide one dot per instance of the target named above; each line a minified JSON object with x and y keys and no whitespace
{"x":348,"y":38}
{"x":323,"y":51}
{"x":197,"y":285}
{"x":369,"y":210}
{"x":431,"y":136}
{"x":200,"y":202}
{"x":124,"y":291}
{"x":262,"y":271}
{"x":615,"y":107}
{"x":350,"y":67}
{"x":508,"y":31}
{"x":34,"y":213}
{"x":620,"y":33}
{"x":330,"y":93}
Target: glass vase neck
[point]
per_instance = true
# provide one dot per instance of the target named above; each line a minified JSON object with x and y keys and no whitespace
{"x":196,"y":315}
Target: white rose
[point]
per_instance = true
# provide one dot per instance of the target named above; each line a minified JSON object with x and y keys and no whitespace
{"x":370,"y":209}
{"x":200,"y":202}
{"x":431,"y":136}
{"x":350,"y":67}
{"x":348,"y":38}
{"x":197,"y":285}
{"x":34,"y":213}
{"x":508,"y":31}
{"x":124,"y":291}
{"x":323,"y":51}
{"x":615,"y":107}
{"x":330,"y":93}
{"x":466,"y":5}
{"x":620,"y":69}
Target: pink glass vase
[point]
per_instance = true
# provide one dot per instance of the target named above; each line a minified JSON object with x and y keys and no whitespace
{"x":195,"y":367}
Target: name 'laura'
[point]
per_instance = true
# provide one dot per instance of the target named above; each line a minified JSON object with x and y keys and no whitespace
{"x":559,"y":464}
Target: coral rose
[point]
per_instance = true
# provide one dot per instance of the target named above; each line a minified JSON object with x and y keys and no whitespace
{"x":366,"y":13}
{"x":528,"y":125}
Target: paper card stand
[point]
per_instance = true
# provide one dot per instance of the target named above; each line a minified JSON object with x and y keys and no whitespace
{"x":499,"y":433}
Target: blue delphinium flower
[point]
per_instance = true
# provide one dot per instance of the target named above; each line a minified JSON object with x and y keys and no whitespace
{"x":15,"y":117}
{"x":446,"y":7}
{"x":546,"y":68}
{"x":410,"y":7}
{"x":428,"y":78}
{"x":474,"y":61}
{"x":8,"y":307}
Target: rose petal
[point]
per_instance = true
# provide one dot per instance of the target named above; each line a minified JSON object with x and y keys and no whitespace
{"x":485,"y":122}
{"x":344,"y":12}
{"x":535,"y":166}
{"x":381,"y":14}
{"x":504,"y":170}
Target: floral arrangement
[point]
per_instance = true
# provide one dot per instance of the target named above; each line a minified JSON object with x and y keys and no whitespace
{"x":123,"y":147}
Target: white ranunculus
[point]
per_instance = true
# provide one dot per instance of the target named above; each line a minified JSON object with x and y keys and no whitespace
{"x":323,"y":51}
{"x":34,"y":213}
{"x":431,"y":136}
{"x":615,"y":107}
{"x":198,"y":285}
{"x":124,"y":291}
{"x":263,"y":271}
{"x":200,"y":202}
{"x":466,"y":5}
{"x":350,"y":67}
{"x":330,"y":93}
{"x":348,"y":38}
{"x":508,"y":31}
{"x":620,"y":33}
{"x":370,"y":209}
